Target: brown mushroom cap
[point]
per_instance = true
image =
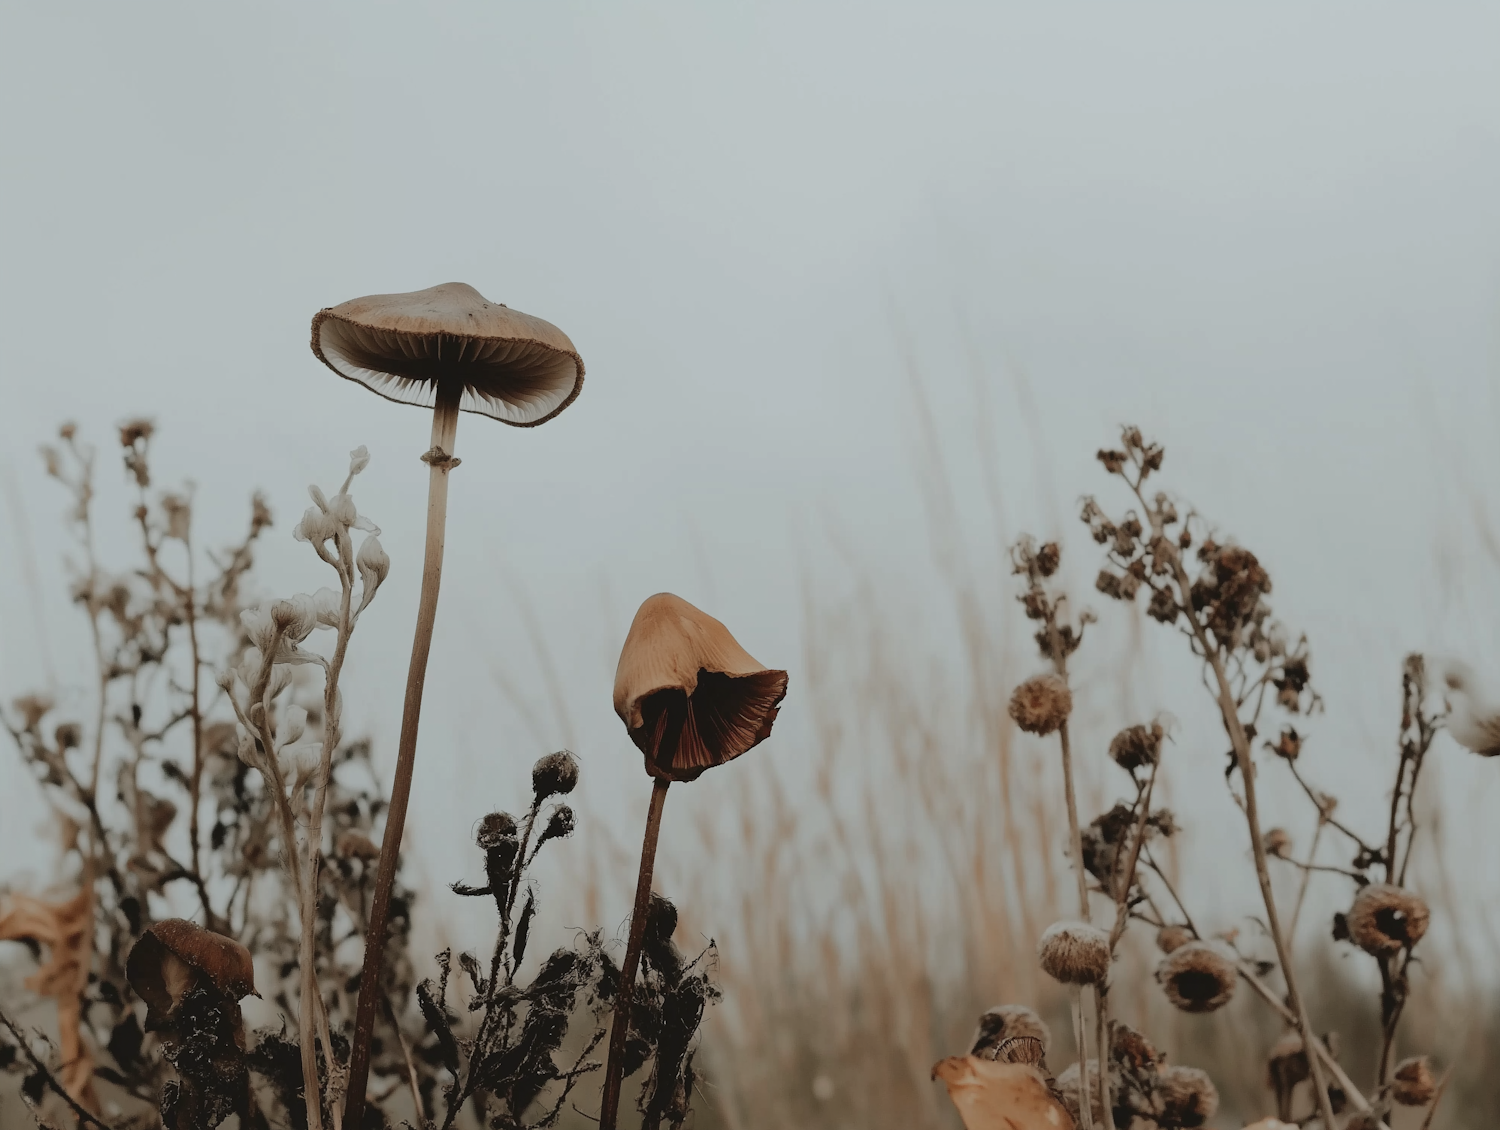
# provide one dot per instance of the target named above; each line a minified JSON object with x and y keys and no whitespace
{"x":172,"y":955}
{"x":514,"y":368}
{"x":690,"y":696}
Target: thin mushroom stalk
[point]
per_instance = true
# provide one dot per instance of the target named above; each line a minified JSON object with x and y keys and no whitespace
{"x":451,"y":349}
{"x":440,"y":460}
{"x":620,"y":1029}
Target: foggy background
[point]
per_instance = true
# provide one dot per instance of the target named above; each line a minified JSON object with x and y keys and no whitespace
{"x":778,"y":234}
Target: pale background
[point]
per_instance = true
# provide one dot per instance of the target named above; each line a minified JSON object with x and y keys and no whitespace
{"x":1267,"y":233}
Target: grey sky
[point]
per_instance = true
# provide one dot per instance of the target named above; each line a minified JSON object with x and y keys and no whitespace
{"x":1266,"y":232}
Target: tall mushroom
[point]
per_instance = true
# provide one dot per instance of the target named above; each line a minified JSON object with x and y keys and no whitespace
{"x":453,"y":350}
{"x":691,"y":698}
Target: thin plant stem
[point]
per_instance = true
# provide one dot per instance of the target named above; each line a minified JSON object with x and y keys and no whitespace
{"x":439,"y":459}
{"x":609,"y":1108}
{"x":1080,"y":1038}
{"x":1312,"y":854}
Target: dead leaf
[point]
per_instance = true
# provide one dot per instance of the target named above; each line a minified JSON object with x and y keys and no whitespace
{"x":993,"y":1095}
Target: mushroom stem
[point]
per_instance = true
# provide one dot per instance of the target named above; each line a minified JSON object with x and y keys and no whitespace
{"x":610,"y":1105}
{"x":440,"y":460}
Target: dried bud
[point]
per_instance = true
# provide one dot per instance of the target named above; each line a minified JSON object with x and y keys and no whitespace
{"x":316,"y":527}
{"x":32,"y":709}
{"x":1041,"y":704}
{"x":1162,"y":607}
{"x":1114,"y":461}
{"x":133,"y":430}
{"x":1413,"y":1084}
{"x":1187,"y":1095}
{"x":554,"y":775}
{"x":1278,"y":842}
{"x":374,"y":566}
{"x":1137,"y":746}
{"x":1286,"y":1063}
{"x":179,"y":516}
{"x":1005,"y":1022}
{"x":559,"y":826}
{"x":1385,"y":919}
{"x":1172,"y":938}
{"x":342,"y":510}
{"x":295,"y":618}
{"x":68,"y":430}
{"x":495,"y":827}
{"x":1075,"y":953}
{"x":1048,"y":558}
{"x":1197,"y":977}
{"x":68,"y":735}
{"x":1288,"y":746}
{"x":359,"y":459}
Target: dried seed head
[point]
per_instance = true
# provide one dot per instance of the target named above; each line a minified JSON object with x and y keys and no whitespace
{"x":1386,"y":919}
{"x":554,"y":775}
{"x":495,"y":827}
{"x":1075,"y":953}
{"x":1130,"y":1050}
{"x":1042,"y":704}
{"x":1278,"y":842}
{"x":1188,"y":1096}
{"x":1289,"y":745}
{"x":1137,"y":746}
{"x":133,"y":430}
{"x":32,"y":708}
{"x":1413,"y":1084}
{"x":559,"y":825}
{"x":1197,"y":977}
{"x":1172,"y":938}
{"x":1048,"y":558}
{"x":1286,"y":1062}
{"x":1005,"y":1022}
{"x":68,"y":735}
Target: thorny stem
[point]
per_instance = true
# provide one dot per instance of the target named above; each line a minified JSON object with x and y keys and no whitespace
{"x":609,"y":1108}
{"x":440,"y":461}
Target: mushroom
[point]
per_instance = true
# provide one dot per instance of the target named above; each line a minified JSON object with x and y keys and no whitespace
{"x":176,"y":956}
{"x":691,"y":698}
{"x":451,"y":349}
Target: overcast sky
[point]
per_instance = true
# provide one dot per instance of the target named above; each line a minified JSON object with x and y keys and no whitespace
{"x":1268,"y":233}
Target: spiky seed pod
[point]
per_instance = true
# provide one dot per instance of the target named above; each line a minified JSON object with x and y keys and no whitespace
{"x":1041,"y":704}
{"x":1413,"y":1084}
{"x":1005,"y":1022}
{"x":1172,"y":938}
{"x":1067,"y":1087}
{"x":1188,"y":1096}
{"x":1137,"y":746}
{"x":1386,"y":919}
{"x":1075,"y":953}
{"x":1286,"y":1062}
{"x":1197,"y":977}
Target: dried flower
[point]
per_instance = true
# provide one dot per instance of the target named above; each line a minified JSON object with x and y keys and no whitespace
{"x":990,"y":1093}
{"x":359,"y":459}
{"x":68,"y":735}
{"x":1068,"y":1087}
{"x":1048,"y":558}
{"x":1386,"y":919}
{"x":1005,"y":1022}
{"x":32,"y":708}
{"x":1278,"y":842}
{"x":1413,"y":1084}
{"x":1041,"y":704}
{"x":1188,"y":1096}
{"x":554,"y":775}
{"x":354,"y":844}
{"x":374,"y":566}
{"x":1172,"y":938}
{"x":1286,"y":1062}
{"x":1288,"y":746}
{"x":559,"y":825}
{"x":1075,"y":953}
{"x":1137,"y":746}
{"x":1197,"y":977}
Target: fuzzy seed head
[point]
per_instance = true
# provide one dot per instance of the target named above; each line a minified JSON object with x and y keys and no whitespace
{"x":1171,"y":938}
{"x":495,"y":827}
{"x":1197,"y":977}
{"x":1286,"y":1062}
{"x":1188,"y":1096}
{"x":1413,"y":1084}
{"x":1385,"y":919}
{"x":1067,"y":1086}
{"x":1075,"y":953}
{"x":1137,"y":746}
{"x":1042,"y":704}
{"x":554,"y":775}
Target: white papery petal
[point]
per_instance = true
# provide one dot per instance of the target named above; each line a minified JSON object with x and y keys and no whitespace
{"x":359,"y":459}
{"x":259,"y":626}
{"x":293,"y":726}
{"x":317,"y":496}
{"x":329,"y":605}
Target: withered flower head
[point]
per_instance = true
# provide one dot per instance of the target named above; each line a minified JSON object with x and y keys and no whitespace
{"x":1041,"y":704}
{"x":175,"y":956}
{"x":1172,"y":938}
{"x":1004,"y":1022}
{"x":1137,"y":746}
{"x":554,"y":775}
{"x":32,"y":708}
{"x":1188,"y":1096}
{"x":1278,"y":842}
{"x":1068,"y":1086}
{"x":1386,"y":919}
{"x":1075,"y":953}
{"x":1286,"y":1062}
{"x":513,"y":368}
{"x":1197,"y":977}
{"x":1413,"y":1084}
{"x":1289,"y":745}
{"x":495,"y":827}
{"x":690,"y":696}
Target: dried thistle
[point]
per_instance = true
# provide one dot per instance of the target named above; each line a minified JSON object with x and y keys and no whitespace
{"x":1386,"y":919}
{"x":1075,"y":953}
{"x":1041,"y":704}
{"x":1188,"y":1096}
{"x":1197,"y":977}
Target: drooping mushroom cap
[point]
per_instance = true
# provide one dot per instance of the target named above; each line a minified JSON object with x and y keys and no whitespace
{"x":514,"y":368}
{"x":175,"y":955}
{"x":690,"y":696}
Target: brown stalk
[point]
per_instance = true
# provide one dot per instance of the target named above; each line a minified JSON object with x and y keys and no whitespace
{"x":440,"y":459}
{"x":609,"y":1108}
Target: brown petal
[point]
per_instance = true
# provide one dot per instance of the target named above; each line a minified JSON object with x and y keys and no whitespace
{"x":690,"y":696}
